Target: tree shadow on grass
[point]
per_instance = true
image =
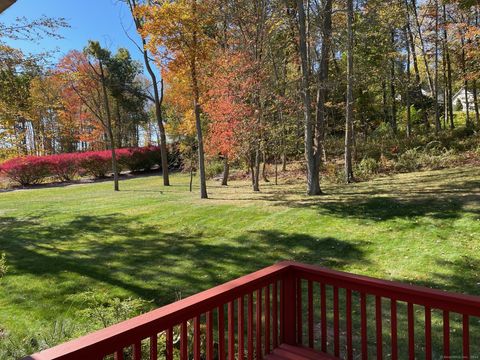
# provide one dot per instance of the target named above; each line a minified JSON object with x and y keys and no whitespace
{"x":138,"y":259}
{"x":438,"y":195}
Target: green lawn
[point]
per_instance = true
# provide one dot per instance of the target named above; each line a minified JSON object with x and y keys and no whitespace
{"x":162,"y":243}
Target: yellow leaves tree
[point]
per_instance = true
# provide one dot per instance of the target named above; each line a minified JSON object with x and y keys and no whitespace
{"x":179,"y":35}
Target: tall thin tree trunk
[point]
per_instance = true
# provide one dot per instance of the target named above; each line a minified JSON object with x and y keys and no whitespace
{"x":407,"y":92}
{"x":449,"y":101}
{"x":465,"y":82}
{"x":226,"y":169}
{"x":158,"y":99}
{"x":313,"y":181}
{"x":422,"y":47}
{"x":322,"y":92}
{"x":393,"y":119}
{"x":109,"y":129}
{"x":475,"y":102}
{"x":436,"y":93}
{"x":349,"y":110}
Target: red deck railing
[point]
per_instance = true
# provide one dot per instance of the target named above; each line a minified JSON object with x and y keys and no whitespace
{"x":338,"y":313}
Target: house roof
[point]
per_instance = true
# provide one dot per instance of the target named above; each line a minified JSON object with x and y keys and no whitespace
{"x":5,"y":4}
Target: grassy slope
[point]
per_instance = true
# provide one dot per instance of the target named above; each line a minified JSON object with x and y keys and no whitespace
{"x":161,"y":243}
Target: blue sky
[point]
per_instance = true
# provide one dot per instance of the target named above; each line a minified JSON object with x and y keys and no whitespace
{"x":89,"y":20}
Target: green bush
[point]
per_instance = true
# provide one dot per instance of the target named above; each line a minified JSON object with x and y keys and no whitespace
{"x":213,"y":168}
{"x":367,"y":168}
{"x":408,"y":161}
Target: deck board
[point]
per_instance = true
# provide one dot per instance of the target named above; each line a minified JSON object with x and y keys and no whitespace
{"x":289,"y":352}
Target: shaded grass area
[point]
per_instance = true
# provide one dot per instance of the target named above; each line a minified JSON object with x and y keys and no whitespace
{"x":161,"y":244}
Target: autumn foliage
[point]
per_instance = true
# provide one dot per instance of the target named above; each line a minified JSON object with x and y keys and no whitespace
{"x":29,"y":170}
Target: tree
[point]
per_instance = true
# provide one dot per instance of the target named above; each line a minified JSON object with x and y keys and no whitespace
{"x":157,"y":93}
{"x":177,"y":30}
{"x":350,"y":100}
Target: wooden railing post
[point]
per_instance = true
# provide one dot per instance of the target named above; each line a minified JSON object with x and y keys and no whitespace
{"x":288,"y":308}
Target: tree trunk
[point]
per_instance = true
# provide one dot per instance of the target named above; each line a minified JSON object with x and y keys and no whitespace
{"x":313,"y":181}
{"x":201,"y":153}
{"x":191,"y":173}
{"x":436,"y":93}
{"x":109,"y":129}
{"x":322,"y":92}
{"x":407,"y":92}
{"x":449,"y":99}
{"x":226,"y":170}
{"x":198,"y":121}
{"x":422,"y":47}
{"x":465,"y":82}
{"x":158,"y":99}
{"x":412,"y":47}
{"x":475,"y":102}
{"x":349,"y":110}
{"x":393,"y":119}
{"x":256,"y":170}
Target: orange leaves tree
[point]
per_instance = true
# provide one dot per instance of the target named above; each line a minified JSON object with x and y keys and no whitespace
{"x":228,"y":109}
{"x":178,"y":34}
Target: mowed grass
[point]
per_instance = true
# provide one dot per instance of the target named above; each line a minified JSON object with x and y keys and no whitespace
{"x":159,"y":244}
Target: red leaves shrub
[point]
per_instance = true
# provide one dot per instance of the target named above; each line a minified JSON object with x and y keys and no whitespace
{"x":64,"y":166}
{"x":26,"y":170}
{"x":139,"y":159}
{"x":29,"y":170}
{"x":95,"y":163}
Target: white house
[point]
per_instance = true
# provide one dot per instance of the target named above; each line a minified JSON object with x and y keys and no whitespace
{"x":460,"y":98}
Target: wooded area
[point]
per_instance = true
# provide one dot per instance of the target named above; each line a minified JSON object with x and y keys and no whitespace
{"x":253,"y":84}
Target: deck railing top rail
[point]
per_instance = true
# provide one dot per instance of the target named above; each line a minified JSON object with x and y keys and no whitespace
{"x":134,"y":330}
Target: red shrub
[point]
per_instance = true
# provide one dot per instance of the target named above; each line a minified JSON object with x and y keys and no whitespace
{"x":64,"y":166}
{"x":35,"y":169}
{"x":95,"y":163}
{"x":27,"y":170}
{"x":139,"y":159}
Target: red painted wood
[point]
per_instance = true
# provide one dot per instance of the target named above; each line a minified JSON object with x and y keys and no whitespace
{"x":153,"y":347}
{"x":169,"y":344}
{"x":446,"y":334}
{"x":378,"y":321}
{"x":466,"y":337}
{"x":428,"y":333}
{"x":336,"y":323}
{"x":209,"y":344}
{"x":363,"y":325}
{"x":411,"y":332}
{"x":118,"y":355}
{"x":183,"y":341}
{"x":250,"y":327}
{"x":462,"y":304}
{"x":289,"y":309}
{"x":267,"y":320}
{"x":323,"y":316}
{"x":196,"y":338}
{"x":282,"y":312}
{"x":288,"y":352}
{"x":310,"y":314}
{"x":241,"y":328}
{"x":393,"y":329}
{"x":258,"y":324}
{"x":349,"y":324}
{"x":275,"y":314}
{"x":221,"y":333}
{"x":231,"y":330}
{"x":122,"y":335}
{"x":299,"y":312}
{"x":137,"y":351}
